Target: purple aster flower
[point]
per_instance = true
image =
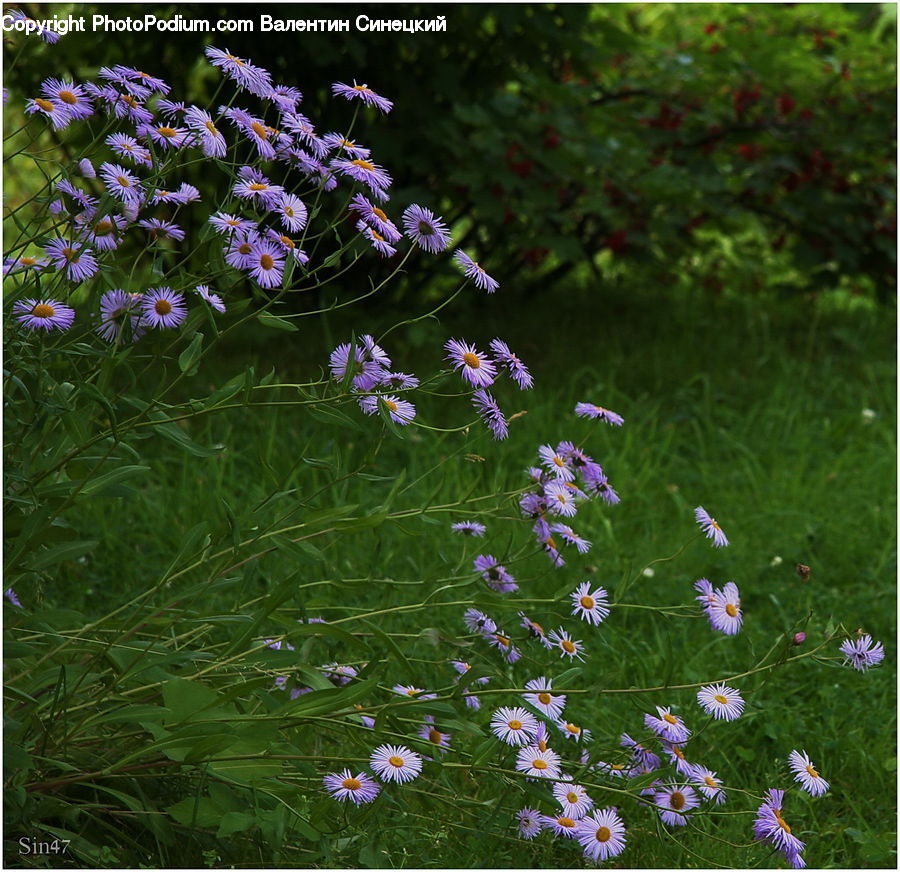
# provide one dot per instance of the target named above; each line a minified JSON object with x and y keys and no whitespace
{"x":563,"y":825}
{"x":667,"y":725}
{"x":43,"y":314}
{"x":469,"y":528}
{"x":116,"y":309}
{"x":239,"y":252}
{"x":147,"y":83}
{"x":76,"y":261}
{"x":379,"y":243}
{"x":247,"y":76}
{"x":426,"y":230}
{"x":23,"y":263}
{"x":494,"y":574}
{"x":673,"y":801}
{"x":535,"y":630}
{"x":210,"y":138}
{"x":498,"y":639}
{"x":708,"y":783}
{"x":570,"y":537}
{"x":288,"y":246}
{"x":529,"y":822}
{"x":51,"y":37}
{"x":128,"y":147}
{"x":710,"y":527}
{"x":225,"y":223}
{"x":375,"y":177}
{"x":338,"y":674}
{"x":162,"y":229}
{"x":536,"y":763}
{"x":401,"y":411}
{"x":601,"y":834}
{"x":259,"y":190}
{"x":172,"y":108}
{"x":674,"y":751}
{"x":771,"y":828}
{"x":573,"y":731}
{"x":163,"y":307}
{"x":643,"y":758}
{"x":395,"y":763}
{"x":368,"y":367}
{"x":568,"y":647}
{"x":187,"y":193}
{"x":556,"y":464}
{"x":103,"y":233}
{"x":121,"y":183}
{"x":560,"y":499}
{"x":723,"y":703}
{"x":339,"y":142}
{"x":165,"y":136}
{"x":491,"y":413}
{"x":376,"y":218}
{"x":291,"y":212}
{"x":725,"y":611}
{"x":862,"y":652}
{"x":476,"y":368}
{"x":86,"y":168}
{"x":478,"y":622}
{"x":266,"y":263}
{"x":285,"y":97}
{"x":343,"y":786}
{"x":590,"y":605}
{"x":10,"y":594}
{"x":214,"y":300}
{"x":573,"y":799}
{"x":475,"y":271}
{"x":430,"y":733}
{"x":542,"y":699}
{"x":589,"y":410}
{"x":805,"y":773}
{"x":362,"y":92}
{"x":517,"y":370}
{"x":52,"y":109}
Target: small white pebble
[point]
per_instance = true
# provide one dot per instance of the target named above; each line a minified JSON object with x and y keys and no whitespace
{"x":869,"y":414}
{"x":776,"y":561}
{"x":648,"y":572}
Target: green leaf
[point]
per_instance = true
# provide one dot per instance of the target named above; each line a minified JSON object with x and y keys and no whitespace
{"x":193,"y":812}
{"x":189,"y":357}
{"x":171,"y":431}
{"x":234,"y":822}
{"x":134,"y":714}
{"x":186,"y":698}
{"x":329,"y":415}
{"x":61,"y":553}
{"x":269,"y":320}
{"x":111,"y":478}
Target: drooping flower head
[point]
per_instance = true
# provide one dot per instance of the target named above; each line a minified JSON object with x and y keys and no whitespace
{"x":494,"y":573}
{"x":214,"y":300}
{"x":771,"y":828}
{"x":118,"y":308}
{"x":667,"y":725}
{"x":469,"y":528}
{"x":358,"y":788}
{"x":710,"y":527}
{"x":806,"y":774}
{"x":475,"y":271}
{"x":248,"y":76}
{"x":400,"y":411}
{"x":364,"y":93}
{"x":589,"y":410}
{"x":517,"y":370}
{"x":490,"y":413}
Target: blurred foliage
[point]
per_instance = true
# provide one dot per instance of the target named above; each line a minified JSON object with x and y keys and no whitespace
{"x":733,"y":147}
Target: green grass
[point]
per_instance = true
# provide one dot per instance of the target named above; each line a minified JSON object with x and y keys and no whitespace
{"x":756,"y":414}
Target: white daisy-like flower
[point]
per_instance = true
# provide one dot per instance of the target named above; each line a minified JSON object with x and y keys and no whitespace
{"x":395,"y":763}
{"x":515,"y":726}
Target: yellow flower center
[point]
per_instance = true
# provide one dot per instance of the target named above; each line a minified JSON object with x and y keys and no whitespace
{"x":288,"y":211}
{"x":71,"y":255}
{"x":378,"y":213}
{"x":259,"y":130}
{"x":347,"y":143}
{"x":351,"y":783}
{"x":671,"y":719}
{"x":411,"y":692}
{"x":503,"y":641}
{"x":376,"y":235}
{"x":211,"y":128}
{"x":566,"y":822}
{"x":266,"y":261}
{"x":391,"y":405}
{"x":434,"y":736}
{"x":542,"y":746}
{"x":46,"y":105}
{"x":162,"y":307}
{"x":559,"y":462}
{"x":361,"y":88}
{"x":514,"y":725}
{"x":572,"y":797}
{"x":127,"y":98}
{"x":603,"y":834}
{"x":28,"y":261}
{"x":573,"y":729}
{"x":678,"y":752}
{"x":124,"y":182}
{"x":258,"y":186}
{"x":587,"y":602}
{"x":287,"y":241}
{"x":396,"y":762}
{"x":471,"y":360}
{"x":245,"y":248}
{"x":710,"y":782}
{"x":42,"y":310}
{"x":364,"y":165}
{"x":676,"y":800}
{"x":812,"y":772}
{"x":68,"y":97}
{"x":568,"y":646}
{"x":730,"y":610}
{"x":168,"y":132}
{"x":544,"y":698}
{"x":719,"y":698}
{"x":539,"y":764}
